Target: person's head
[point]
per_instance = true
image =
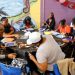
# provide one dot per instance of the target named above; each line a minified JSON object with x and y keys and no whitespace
{"x":51,"y":15}
{"x":35,"y":38}
{"x":4,"y":21}
{"x":73,"y":22}
{"x":62,"y":22}
{"x":44,"y":23}
{"x":1,"y":30}
{"x":27,"y":20}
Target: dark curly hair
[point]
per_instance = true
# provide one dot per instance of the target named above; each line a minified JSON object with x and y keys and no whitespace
{"x":63,"y":21}
{"x":3,"y":18}
{"x":27,"y":19}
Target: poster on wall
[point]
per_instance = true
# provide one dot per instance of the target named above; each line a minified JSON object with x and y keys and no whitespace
{"x":15,"y":9}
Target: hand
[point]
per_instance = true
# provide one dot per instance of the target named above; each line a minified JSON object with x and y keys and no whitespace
{"x":31,"y":57}
{"x":2,"y":47}
{"x":62,"y":33}
{"x":65,"y":40}
{"x":21,"y":45}
{"x":12,"y":55}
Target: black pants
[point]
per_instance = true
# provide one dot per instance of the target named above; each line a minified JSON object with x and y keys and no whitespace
{"x":49,"y":73}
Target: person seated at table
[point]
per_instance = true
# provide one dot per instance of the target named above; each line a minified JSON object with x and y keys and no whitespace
{"x":51,"y":21}
{"x":28,"y":23}
{"x":73,"y":28}
{"x":73,"y":37}
{"x":63,"y":28}
{"x":3,"y":56}
{"x":48,"y":51}
{"x":8,"y":29}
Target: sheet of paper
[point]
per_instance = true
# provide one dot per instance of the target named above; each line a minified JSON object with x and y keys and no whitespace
{"x":10,"y":36}
{"x":7,"y":40}
{"x":55,"y":33}
{"x":60,"y":36}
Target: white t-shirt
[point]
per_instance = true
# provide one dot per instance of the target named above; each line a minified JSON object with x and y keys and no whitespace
{"x":49,"y":50}
{"x":71,"y":25}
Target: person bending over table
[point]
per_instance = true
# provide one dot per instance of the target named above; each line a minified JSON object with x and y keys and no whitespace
{"x":48,"y":52}
{"x":70,"y":47}
{"x":8,"y":29}
{"x":3,"y":56}
{"x":63,"y":28}
{"x":70,"y":40}
{"x":28,"y":23}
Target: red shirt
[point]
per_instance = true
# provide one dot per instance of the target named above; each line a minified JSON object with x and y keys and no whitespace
{"x":28,"y":26}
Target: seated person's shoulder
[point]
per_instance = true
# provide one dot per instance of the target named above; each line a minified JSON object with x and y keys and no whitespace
{"x":68,"y":26}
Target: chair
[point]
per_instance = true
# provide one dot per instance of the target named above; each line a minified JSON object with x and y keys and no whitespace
{"x":56,"y":69}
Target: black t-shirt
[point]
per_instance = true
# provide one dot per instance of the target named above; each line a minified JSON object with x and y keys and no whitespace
{"x":7,"y":28}
{"x":72,"y":32}
{"x":52,"y":24}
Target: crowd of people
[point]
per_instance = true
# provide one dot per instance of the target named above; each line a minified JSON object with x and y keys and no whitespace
{"x":62,"y":27}
{"x":48,"y":52}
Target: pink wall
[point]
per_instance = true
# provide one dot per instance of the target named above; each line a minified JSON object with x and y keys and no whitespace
{"x":59,"y":10}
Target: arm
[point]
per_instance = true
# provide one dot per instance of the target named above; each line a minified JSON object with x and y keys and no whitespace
{"x":68,"y":29}
{"x":41,"y":66}
{"x":10,"y":56}
{"x":12,"y":30}
{"x":58,"y":28}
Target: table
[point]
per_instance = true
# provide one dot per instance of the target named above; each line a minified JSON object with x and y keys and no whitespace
{"x":61,"y":39}
{"x":21,"y":52}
